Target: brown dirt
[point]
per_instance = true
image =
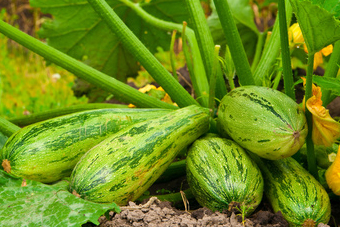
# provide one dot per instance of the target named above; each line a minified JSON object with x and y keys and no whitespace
{"x":161,"y":214}
{"x":334,"y":107}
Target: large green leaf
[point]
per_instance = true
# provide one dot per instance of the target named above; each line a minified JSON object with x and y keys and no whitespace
{"x":37,"y":204}
{"x":78,"y":31}
{"x":332,"y":6}
{"x":318,"y":25}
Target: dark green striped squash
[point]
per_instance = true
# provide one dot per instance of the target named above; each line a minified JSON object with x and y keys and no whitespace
{"x":264,"y":121}
{"x":221,"y":174}
{"x":295,"y":192}
{"x":48,"y":151}
{"x":125,"y":165}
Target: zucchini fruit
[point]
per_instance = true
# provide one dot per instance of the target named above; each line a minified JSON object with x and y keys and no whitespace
{"x":125,"y":165}
{"x":264,"y":121}
{"x":296,"y":193}
{"x":220,"y":173}
{"x":47,"y":151}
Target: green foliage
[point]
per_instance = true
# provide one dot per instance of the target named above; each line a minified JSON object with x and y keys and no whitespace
{"x":28,"y":86}
{"x":332,"y":6}
{"x":78,"y":31}
{"x":328,"y":83}
{"x":30,"y":203}
{"x":243,"y":209}
{"x":319,"y":26}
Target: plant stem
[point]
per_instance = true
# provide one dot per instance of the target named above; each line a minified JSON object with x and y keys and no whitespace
{"x":234,"y":42}
{"x":271,"y":50}
{"x":7,"y":128}
{"x":331,"y":71}
{"x":197,"y":72}
{"x":142,"y":54}
{"x":213,"y":80}
{"x":33,"y":118}
{"x":311,"y":159}
{"x":120,"y":90}
{"x":205,"y":41}
{"x":285,"y":52}
{"x":172,"y":55}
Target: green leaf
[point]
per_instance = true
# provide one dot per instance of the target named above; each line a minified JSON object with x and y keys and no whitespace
{"x":332,"y":6}
{"x":78,"y":31}
{"x":319,"y":26}
{"x":328,"y":83}
{"x":38,"y":204}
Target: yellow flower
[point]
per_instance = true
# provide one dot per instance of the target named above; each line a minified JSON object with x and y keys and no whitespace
{"x":325,"y":129}
{"x":327,"y":50}
{"x":333,"y":175}
{"x":296,"y":40}
{"x":147,"y":88}
{"x":295,"y":35}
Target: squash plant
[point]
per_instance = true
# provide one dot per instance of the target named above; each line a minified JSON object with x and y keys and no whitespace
{"x":201,"y":54}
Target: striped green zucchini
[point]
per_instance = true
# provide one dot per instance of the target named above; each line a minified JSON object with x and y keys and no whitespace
{"x":293,"y":191}
{"x":220,"y":173}
{"x":124,"y":166}
{"x":48,"y":114}
{"x":264,"y":121}
{"x":47,"y":151}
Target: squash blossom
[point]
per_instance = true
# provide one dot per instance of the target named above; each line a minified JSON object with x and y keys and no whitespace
{"x":296,"y":40}
{"x":333,"y":175}
{"x":325,"y":129}
{"x":158,"y":93}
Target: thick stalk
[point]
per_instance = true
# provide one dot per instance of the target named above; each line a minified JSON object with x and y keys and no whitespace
{"x":36,"y":117}
{"x":7,"y":128}
{"x":177,"y":93}
{"x":311,"y":160}
{"x":206,"y":44}
{"x":285,"y":52}
{"x":213,"y":80}
{"x":120,"y":90}
{"x":234,"y":42}
{"x":271,"y":50}
{"x":331,"y":71}
{"x":197,"y":72}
